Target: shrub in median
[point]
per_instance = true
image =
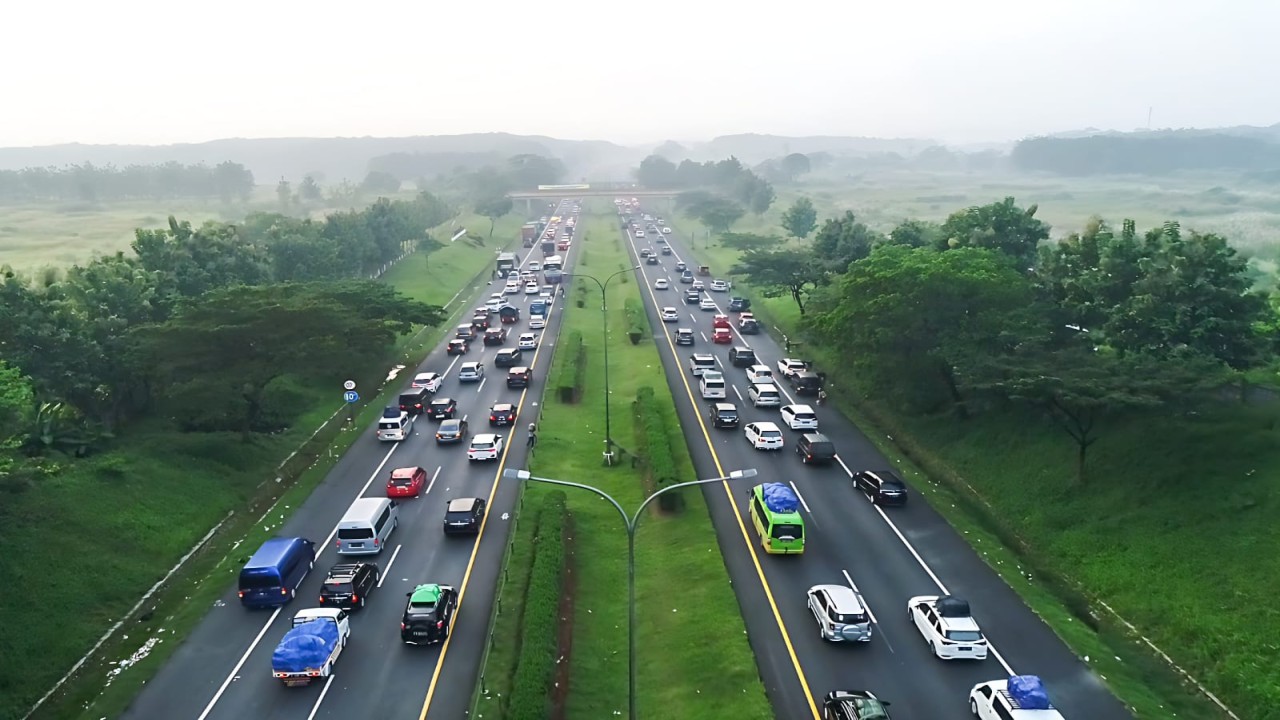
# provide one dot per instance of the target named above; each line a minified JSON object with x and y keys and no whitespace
{"x":571,"y":360}
{"x":536,"y":666}
{"x":635,"y":319}
{"x":655,"y":437}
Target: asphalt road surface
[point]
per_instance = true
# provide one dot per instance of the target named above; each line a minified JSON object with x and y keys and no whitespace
{"x":223,"y":669}
{"x":888,"y":555}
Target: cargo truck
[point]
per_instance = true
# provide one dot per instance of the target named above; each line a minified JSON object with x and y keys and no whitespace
{"x":548,"y":247}
{"x":311,"y":647}
{"x":529,"y":234}
{"x":507,"y":263}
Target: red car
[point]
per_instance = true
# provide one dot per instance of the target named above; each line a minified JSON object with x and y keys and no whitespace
{"x":722,"y":336}
{"x":457,"y":347}
{"x":720,"y":321}
{"x":406,"y":482}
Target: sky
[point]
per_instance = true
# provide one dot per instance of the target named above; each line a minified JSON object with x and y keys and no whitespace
{"x":151,"y":72}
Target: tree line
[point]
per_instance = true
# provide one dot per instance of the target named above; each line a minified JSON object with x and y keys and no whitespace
{"x":200,"y":324}
{"x":716,"y":193}
{"x":227,"y":181}
{"x":1145,"y":154}
{"x":982,"y":312}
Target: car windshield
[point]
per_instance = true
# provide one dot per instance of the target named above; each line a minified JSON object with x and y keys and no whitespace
{"x":893,"y":486}
{"x":964,"y":635}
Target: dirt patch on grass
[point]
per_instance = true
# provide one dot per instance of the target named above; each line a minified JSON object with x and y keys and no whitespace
{"x":564,"y":634}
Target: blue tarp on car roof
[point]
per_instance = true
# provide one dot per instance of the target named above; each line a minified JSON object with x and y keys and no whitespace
{"x":779,"y":498}
{"x":305,"y":647}
{"x":1028,"y":691}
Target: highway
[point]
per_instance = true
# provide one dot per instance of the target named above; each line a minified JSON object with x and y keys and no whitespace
{"x":888,"y":555}
{"x":223,"y":669}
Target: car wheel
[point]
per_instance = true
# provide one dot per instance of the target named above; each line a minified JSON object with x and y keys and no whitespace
{"x":973,"y":707}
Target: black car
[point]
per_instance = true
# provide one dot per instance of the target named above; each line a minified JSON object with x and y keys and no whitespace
{"x":805,"y":383}
{"x":427,"y":614}
{"x":684,"y":336}
{"x":414,"y":401}
{"x":692,"y":297}
{"x":854,"y":705}
{"x":442,"y":408}
{"x":518,"y":377}
{"x":480,"y":321}
{"x":815,"y":449}
{"x":502,"y":414}
{"x":463,"y":516}
{"x":458,"y":347}
{"x":666,"y":250}
{"x":507,"y":357}
{"x":349,"y":584}
{"x":723,"y":415}
{"x":451,"y":430}
{"x":881,"y":487}
{"x":495,"y":336}
{"x":749,"y":327}
{"x":739,"y":305}
{"x":742,"y":356}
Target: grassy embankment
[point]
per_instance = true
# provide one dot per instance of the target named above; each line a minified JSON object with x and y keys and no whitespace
{"x":128,"y":515}
{"x":1173,"y":530}
{"x":694,"y":658}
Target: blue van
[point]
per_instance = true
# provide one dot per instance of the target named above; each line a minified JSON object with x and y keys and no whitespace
{"x":273,"y":574}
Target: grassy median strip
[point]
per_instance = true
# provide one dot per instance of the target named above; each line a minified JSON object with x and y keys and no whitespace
{"x":142,"y":505}
{"x":694,"y":658}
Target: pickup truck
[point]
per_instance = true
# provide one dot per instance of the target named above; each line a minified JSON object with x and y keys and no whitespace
{"x":311,"y":647}
{"x":790,"y":366}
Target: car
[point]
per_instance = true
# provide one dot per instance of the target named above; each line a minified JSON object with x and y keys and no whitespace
{"x":948,"y":626}
{"x":720,"y":321}
{"x":519,"y":377}
{"x":406,"y":482}
{"x":684,"y":336}
{"x":480,"y":321}
{"x":502,"y":414}
{"x":854,"y":705}
{"x":707,"y":304}
{"x":814,"y":448}
{"x":428,"y":614}
{"x":412,"y":401}
{"x":692,"y":297}
{"x":791,"y":366}
{"x":458,"y":347}
{"x":743,"y":316}
{"x":528,"y":341}
{"x":719,"y":286}
{"x":670,"y":314}
{"x":492,"y":305}
{"x":759,"y":373}
{"x":464,"y":515}
{"x":686,"y":277}
{"x":1027,"y":700}
{"x":546,"y":291}
{"x":348,"y":584}
{"x":452,"y":430}
{"x":697,"y":285}
{"x":511,"y":288}
{"x":442,"y":408}
{"x":644,"y":252}
{"x":743,"y":357}
{"x":722,"y":336}
{"x":764,"y":436}
{"x":471,"y":372}
{"x":666,"y":249}
{"x":799,"y":417}
{"x":509,"y":314}
{"x":485,"y":447}
{"x":764,"y":395}
{"x":666,"y":231}
{"x":681,"y":266}
{"x":537,"y":322}
{"x":749,"y":327}
{"x":495,"y":336}
{"x":881,"y":487}
{"x":661,"y":284}
{"x":723,"y":415}
{"x":428,"y":381}
{"x":739,"y":304}
{"x":508,"y":357}
{"x":528,"y":276}
{"x":652,"y":260}
{"x":841,"y":613}
{"x":531,"y":288}
{"x":534,"y":266}
{"x":464,"y":332}
{"x":639,"y":233}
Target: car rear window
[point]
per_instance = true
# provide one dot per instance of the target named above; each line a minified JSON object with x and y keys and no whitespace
{"x":457,"y":516}
{"x":851,"y":618}
{"x":338,"y":587}
{"x":355,"y":533}
{"x":402,"y":482}
{"x":259,"y":579}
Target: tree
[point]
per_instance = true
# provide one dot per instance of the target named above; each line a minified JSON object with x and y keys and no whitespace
{"x":999,"y":226}
{"x":344,"y":194}
{"x":494,"y":208}
{"x":693,"y":198}
{"x":310,"y":190}
{"x":284,"y":194}
{"x":656,"y":171}
{"x":233,"y":181}
{"x":749,"y":241}
{"x":529,"y":171}
{"x":795,"y":165}
{"x":762,"y":198}
{"x":915,"y":233}
{"x":17,"y":401}
{"x":380,"y":183}
{"x":193,"y":261}
{"x":843,"y":240}
{"x":801,"y":218}
{"x":776,"y":272}
{"x":717,"y":213}
{"x":242,"y":339}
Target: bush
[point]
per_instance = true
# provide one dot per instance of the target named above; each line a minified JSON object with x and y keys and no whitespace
{"x":636,"y":321}
{"x":655,"y":437}
{"x":536,"y":665}
{"x":570,"y":364}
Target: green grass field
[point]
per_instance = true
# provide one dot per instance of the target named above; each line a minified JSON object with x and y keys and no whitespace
{"x":1172,"y":531}
{"x":132,"y":512}
{"x":695,"y":661}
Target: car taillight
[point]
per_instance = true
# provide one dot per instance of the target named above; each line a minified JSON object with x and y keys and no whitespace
{"x":403,"y":626}
{"x":375,"y":542}
{"x":402,"y":407}
{"x":355,"y":598}
{"x":439,"y":624}
{"x":240,"y":594}
{"x":493,"y":417}
{"x":321,"y":599}
{"x":283,"y":591}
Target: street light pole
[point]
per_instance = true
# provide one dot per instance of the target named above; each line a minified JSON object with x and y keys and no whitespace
{"x":630,"y":521}
{"x":604,"y":320}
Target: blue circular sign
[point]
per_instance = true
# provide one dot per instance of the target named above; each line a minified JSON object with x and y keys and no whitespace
{"x":351,"y":396}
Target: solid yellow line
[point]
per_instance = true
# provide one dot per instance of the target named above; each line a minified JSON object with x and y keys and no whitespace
{"x":746,"y":538}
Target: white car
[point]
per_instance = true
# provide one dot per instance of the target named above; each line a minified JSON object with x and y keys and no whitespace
{"x":531,"y":288}
{"x":429,"y":380}
{"x":719,"y":286}
{"x":485,"y":447}
{"x":528,"y":341}
{"x":537,"y":322}
{"x":764,"y":436}
{"x":697,"y":285}
{"x":666,"y":231}
{"x":799,"y":417}
{"x":759,"y":374}
{"x":707,"y":303}
{"x":670,"y":314}
{"x":791,"y":366}
{"x":764,"y":395}
{"x":494,"y":304}
{"x":661,"y":284}
{"x":639,"y":233}
{"x":993,"y":701}
{"x":534,"y":266}
{"x":948,"y":627}
{"x":471,"y":372}
{"x":511,"y":288}
{"x":546,"y":291}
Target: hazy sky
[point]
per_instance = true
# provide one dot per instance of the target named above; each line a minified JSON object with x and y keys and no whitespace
{"x":145,"y":71}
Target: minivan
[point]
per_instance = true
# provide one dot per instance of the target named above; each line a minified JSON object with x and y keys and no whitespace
{"x":764,"y":395}
{"x":395,"y":429}
{"x":815,"y":449}
{"x":700,"y":363}
{"x":367,"y":524}
{"x":273,"y":574}
{"x":414,"y":400}
{"x":711,"y":383}
{"x":806,"y":383}
{"x":742,"y":357}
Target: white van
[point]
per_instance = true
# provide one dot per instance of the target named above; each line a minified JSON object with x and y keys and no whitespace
{"x":367,"y":524}
{"x":701,"y":362}
{"x":711,"y":383}
{"x":764,"y":395}
{"x":395,"y":429}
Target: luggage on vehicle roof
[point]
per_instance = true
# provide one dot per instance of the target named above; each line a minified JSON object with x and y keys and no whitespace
{"x":1028,"y":692}
{"x":950,"y":606}
{"x":779,"y":498}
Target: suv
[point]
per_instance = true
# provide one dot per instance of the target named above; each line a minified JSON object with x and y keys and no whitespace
{"x":428,"y":614}
{"x":881,"y":487}
{"x":815,"y":449}
{"x":519,"y":377}
{"x":691,"y":297}
{"x":764,"y":395}
{"x":442,"y":408}
{"x":502,"y":414}
{"x":799,"y":417}
{"x":457,"y":347}
{"x":495,"y":336}
{"x":464,"y":515}
{"x":739,"y":304}
{"x":414,"y":400}
{"x":508,"y":357}
{"x":723,"y":415}
{"x":684,"y":336}
{"x":1025,"y":700}
{"x":840,"y":612}
{"x":805,"y":383}
{"x":854,"y":705}
{"x":742,"y":356}
{"x":349,"y":584}
{"x":471,"y":372}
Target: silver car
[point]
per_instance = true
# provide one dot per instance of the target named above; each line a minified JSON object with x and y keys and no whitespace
{"x":840,"y":612}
